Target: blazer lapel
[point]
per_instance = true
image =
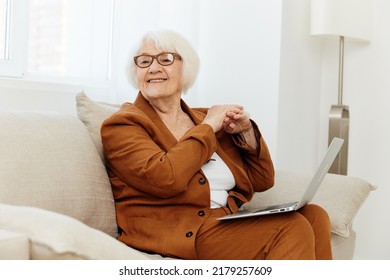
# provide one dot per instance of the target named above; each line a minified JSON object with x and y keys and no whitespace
{"x":169,"y":140}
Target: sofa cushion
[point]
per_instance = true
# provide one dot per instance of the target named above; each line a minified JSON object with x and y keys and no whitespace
{"x":13,"y":246}
{"x":92,"y":114}
{"x":56,"y":236}
{"x":49,"y":161}
{"x":341,"y":196}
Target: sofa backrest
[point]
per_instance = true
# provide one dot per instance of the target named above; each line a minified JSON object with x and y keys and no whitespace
{"x":49,"y":161}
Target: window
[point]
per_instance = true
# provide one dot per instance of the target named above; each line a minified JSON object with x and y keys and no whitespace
{"x":69,"y":39}
{"x":83,"y":43}
{"x":48,"y":37}
{"x":13,"y":39}
{"x":3,"y":28}
{"x":56,"y":39}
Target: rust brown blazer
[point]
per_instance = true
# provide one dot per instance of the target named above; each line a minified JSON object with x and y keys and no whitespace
{"x":161,"y":195}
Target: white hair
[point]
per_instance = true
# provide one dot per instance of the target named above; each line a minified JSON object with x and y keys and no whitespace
{"x":169,"y":41}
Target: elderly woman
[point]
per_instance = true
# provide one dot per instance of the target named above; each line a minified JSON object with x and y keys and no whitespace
{"x":174,"y":170}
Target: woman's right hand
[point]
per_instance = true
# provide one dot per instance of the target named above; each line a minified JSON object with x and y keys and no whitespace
{"x":216,"y":115}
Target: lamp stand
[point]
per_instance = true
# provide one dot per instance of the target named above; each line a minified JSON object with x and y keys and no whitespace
{"x":339,"y":127}
{"x":339,"y":121}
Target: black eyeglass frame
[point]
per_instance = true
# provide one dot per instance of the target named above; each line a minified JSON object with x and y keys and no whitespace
{"x":156,"y":57}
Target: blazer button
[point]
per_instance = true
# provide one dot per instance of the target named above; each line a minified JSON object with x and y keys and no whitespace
{"x":202,"y":181}
{"x":201,"y":213}
{"x":189,"y":234}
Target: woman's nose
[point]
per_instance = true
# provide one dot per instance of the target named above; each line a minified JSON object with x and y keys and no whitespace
{"x":155,"y":67}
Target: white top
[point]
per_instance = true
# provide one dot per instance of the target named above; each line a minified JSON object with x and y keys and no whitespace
{"x":220,"y":179}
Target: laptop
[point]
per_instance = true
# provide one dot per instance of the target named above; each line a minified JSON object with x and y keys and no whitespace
{"x":308,"y":195}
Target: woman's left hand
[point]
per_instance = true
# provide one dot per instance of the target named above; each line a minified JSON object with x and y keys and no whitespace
{"x":236,"y":121}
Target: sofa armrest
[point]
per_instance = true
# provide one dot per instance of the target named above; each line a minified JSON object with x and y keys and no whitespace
{"x":56,"y":236}
{"x":341,"y":196}
{"x":13,"y":246}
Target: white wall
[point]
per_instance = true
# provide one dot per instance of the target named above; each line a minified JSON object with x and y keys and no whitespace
{"x":21,"y":95}
{"x":239,"y":47}
{"x":308,"y":87}
{"x":366,"y":91}
{"x":300,"y":92}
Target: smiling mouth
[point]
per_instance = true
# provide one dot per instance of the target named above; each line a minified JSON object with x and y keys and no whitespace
{"x":156,"y":80}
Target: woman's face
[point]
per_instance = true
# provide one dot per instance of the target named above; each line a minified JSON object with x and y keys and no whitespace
{"x":157,"y":81}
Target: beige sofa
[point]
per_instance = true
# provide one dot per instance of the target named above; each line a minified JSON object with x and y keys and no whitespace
{"x":56,"y":201}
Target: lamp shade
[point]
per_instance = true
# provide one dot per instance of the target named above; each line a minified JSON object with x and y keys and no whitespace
{"x":349,"y":18}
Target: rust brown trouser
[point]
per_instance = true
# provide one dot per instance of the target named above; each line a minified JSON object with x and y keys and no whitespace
{"x":304,"y":234}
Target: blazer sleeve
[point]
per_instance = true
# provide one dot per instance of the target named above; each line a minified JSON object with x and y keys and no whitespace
{"x":258,"y":162}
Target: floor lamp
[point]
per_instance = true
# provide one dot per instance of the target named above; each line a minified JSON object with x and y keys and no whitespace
{"x":341,"y":19}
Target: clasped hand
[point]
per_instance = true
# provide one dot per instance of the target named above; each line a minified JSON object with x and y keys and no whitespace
{"x":232,"y":118}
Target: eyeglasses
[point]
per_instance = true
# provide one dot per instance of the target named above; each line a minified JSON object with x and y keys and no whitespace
{"x":164,"y":59}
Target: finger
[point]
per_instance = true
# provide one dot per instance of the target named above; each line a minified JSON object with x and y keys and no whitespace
{"x":230,"y":114}
{"x":235,"y":107}
{"x":234,"y":111}
{"x":227,"y":119}
{"x":239,"y":116}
